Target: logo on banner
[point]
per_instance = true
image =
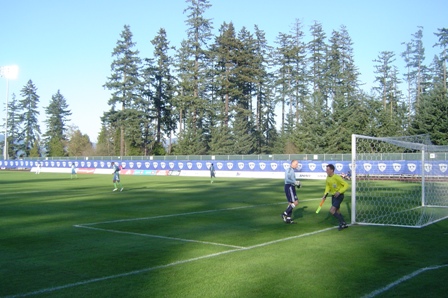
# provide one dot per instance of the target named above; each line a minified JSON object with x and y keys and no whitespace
{"x":286,"y":166}
{"x":199,"y":165}
{"x":26,"y":163}
{"x":230,"y":165}
{"x":82,"y":164}
{"x":219,"y":165}
{"x":46,"y":163}
{"x":382,"y":167}
{"x":58,"y":164}
{"x":88,"y":164}
{"x":262,"y":165}
{"x":274,"y":166}
{"x":108,"y":164}
{"x":171,"y":164}
{"x":189,"y":165}
{"x":76,"y":164}
{"x":139,"y":165}
{"x":397,"y":167}
{"x":181,"y":165}
{"x":102,"y":164}
{"x":95,"y":164}
{"x":52,"y":163}
{"x":339,"y":166}
{"x":1,"y":163}
{"x":251,"y":165}
{"x":131,"y":164}
{"x":155,"y":164}
{"x":412,"y":167}
{"x":324,"y":167}
{"x":147,"y":164}
{"x":367,"y":167}
{"x":428,"y":167}
{"x":163,"y":164}
{"x":299,"y":167}
{"x":443,"y":167}
{"x":241,"y":165}
{"x":123,"y":165}
{"x":312,"y":166}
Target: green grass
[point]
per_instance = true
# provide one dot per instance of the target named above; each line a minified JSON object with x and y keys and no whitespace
{"x":185,"y":237}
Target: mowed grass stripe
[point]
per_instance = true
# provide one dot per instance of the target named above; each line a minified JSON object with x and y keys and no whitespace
{"x":41,"y":249}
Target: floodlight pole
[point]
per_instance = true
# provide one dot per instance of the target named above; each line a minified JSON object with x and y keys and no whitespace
{"x":5,"y":148}
{"x":8,"y":72}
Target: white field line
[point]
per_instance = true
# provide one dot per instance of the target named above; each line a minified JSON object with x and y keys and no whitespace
{"x":403,"y":279}
{"x":183,"y":214}
{"x":136,"y":272}
{"x":160,"y":237}
{"x":237,"y":248}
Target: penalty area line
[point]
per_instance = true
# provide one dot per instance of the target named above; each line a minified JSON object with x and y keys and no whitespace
{"x":183,"y":214}
{"x":160,"y":237}
{"x":145,"y":270}
{"x":403,"y":279}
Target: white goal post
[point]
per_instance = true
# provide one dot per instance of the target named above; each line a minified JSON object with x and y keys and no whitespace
{"x":398,"y":181}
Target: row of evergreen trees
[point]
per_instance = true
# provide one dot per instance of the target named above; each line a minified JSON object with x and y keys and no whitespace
{"x":24,"y":133}
{"x":220,"y":94}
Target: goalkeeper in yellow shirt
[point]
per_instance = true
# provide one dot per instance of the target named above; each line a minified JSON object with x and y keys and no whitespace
{"x":336,"y":186}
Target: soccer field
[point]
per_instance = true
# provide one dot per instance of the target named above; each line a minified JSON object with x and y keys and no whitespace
{"x":184,"y":237}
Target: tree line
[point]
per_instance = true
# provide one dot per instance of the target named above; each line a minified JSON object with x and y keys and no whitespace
{"x":219,"y":94}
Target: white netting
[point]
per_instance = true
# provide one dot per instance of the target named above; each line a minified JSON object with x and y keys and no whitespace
{"x":399,"y":181}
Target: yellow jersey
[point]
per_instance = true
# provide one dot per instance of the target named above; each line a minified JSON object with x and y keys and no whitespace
{"x":335,"y":184}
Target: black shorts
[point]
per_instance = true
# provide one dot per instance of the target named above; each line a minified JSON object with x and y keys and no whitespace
{"x":290,"y":192}
{"x":336,"y":202}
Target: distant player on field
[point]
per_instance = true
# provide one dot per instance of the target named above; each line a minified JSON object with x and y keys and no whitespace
{"x":290,"y":191}
{"x":73,"y":172}
{"x":336,"y":186}
{"x":212,"y":173}
{"x":116,"y":179}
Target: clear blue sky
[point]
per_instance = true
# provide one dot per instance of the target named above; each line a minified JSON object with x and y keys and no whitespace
{"x":66,"y":45}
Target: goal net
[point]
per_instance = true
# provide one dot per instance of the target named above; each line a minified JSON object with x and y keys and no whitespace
{"x":398,"y":181}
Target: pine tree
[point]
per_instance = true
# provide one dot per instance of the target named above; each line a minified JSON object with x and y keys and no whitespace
{"x":164,"y":87}
{"x":13,"y":127}
{"x":343,"y":80}
{"x":265,"y":124}
{"x":443,"y":43}
{"x":30,"y":129}
{"x":124,"y":83}
{"x":414,"y":57}
{"x":57,"y":116}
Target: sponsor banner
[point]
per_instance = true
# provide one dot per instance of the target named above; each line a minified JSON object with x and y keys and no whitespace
{"x":301,"y":175}
{"x":145,"y":172}
{"x":234,"y":168}
{"x":85,"y":171}
{"x":174,"y":173}
{"x":163,"y":173}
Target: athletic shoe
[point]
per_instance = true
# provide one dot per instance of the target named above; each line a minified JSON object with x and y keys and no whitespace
{"x":289,"y":221}
{"x":115,"y":189}
{"x":342,"y":226}
{"x":121,"y":189}
{"x":284,"y":217}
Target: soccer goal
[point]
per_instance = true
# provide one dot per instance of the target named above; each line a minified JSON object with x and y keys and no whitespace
{"x":398,"y":181}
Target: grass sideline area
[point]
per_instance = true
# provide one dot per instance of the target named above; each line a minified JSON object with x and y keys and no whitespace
{"x":184,"y":237}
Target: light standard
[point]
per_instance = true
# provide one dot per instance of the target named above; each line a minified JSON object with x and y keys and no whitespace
{"x":9,"y":73}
